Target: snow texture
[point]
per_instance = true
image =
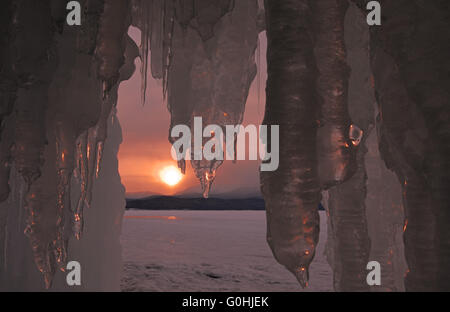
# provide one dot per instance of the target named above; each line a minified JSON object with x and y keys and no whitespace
{"x":208,"y":251}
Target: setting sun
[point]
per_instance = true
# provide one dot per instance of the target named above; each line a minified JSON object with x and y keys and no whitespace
{"x":170,"y":175}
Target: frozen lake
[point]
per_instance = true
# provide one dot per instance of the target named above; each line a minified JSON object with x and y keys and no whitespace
{"x":208,"y":251}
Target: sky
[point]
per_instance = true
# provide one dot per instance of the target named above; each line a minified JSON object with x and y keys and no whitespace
{"x":145,"y":149}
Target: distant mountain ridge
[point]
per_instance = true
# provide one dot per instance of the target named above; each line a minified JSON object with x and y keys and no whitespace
{"x":195,"y":192}
{"x":196,"y":203}
{"x":243,"y":192}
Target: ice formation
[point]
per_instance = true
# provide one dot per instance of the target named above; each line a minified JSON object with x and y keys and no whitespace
{"x":327,"y":144}
{"x":292,"y":193}
{"x":66,"y":87}
{"x":348,"y":244}
{"x":409,"y":56}
{"x":205,"y":53}
{"x":336,"y":155}
{"x":55,"y":138}
{"x":328,"y":80}
{"x":400,"y":68}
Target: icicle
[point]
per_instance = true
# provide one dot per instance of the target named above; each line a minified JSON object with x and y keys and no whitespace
{"x":98,"y":156}
{"x":99,"y":133}
{"x":205,"y":171}
{"x":258,"y":77}
{"x":144,"y":48}
{"x":156,"y":37}
{"x":182,"y":166}
{"x":110,"y":49}
{"x":91,"y":155}
{"x":41,"y":229}
{"x":64,"y":169}
{"x":348,"y":245}
{"x":168,"y":28}
{"x":82,"y":175}
{"x":88,"y":167}
{"x":292,"y":192}
{"x":89,"y":152}
{"x":355,"y":134}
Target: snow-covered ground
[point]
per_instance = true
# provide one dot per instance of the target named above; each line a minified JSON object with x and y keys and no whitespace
{"x":208,"y":251}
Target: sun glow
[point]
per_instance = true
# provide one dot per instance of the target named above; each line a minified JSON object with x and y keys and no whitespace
{"x":170,"y":175}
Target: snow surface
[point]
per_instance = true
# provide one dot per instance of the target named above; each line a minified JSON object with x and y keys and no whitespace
{"x":208,"y":251}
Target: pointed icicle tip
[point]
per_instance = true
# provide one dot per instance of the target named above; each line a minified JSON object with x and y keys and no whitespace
{"x":302,"y":276}
{"x":355,"y":134}
{"x":182,"y":166}
{"x":206,"y":187}
{"x":48,"y":279}
{"x":207,"y":182}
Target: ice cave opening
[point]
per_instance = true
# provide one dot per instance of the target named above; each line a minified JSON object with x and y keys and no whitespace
{"x":363,"y":114}
{"x":145,"y":148}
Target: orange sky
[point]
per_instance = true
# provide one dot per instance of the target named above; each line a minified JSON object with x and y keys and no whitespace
{"x":145,"y":149}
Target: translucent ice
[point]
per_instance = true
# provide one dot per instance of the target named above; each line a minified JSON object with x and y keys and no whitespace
{"x":212,"y":65}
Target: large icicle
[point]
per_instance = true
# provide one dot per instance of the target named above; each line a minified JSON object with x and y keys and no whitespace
{"x":292,"y":193}
{"x":348,"y":244}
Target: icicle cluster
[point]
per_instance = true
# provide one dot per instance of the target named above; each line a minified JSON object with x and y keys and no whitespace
{"x":409,"y":60}
{"x":56,"y":99}
{"x":205,"y":53}
{"x":63,"y":91}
